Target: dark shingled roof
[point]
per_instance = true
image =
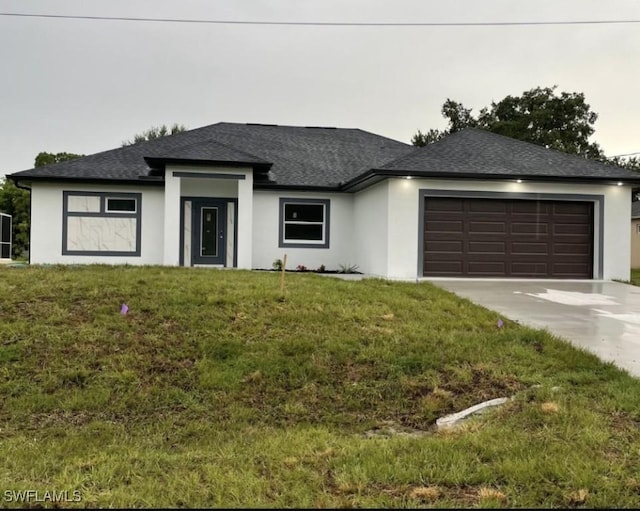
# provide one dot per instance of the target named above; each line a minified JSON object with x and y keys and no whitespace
{"x":299,"y":156}
{"x":330,"y":157}
{"x":479,"y":152}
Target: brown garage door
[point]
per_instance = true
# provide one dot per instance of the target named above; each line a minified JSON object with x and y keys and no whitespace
{"x":508,"y":238}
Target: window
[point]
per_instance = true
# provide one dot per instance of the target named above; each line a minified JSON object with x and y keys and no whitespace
{"x":304,"y":223}
{"x":5,"y":236}
{"x":101,"y":223}
{"x":638,"y":228}
{"x":116,"y":204}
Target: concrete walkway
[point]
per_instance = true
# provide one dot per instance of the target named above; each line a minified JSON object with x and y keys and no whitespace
{"x":602,"y":317}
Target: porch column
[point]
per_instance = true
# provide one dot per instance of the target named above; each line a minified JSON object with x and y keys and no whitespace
{"x":171,"y":220}
{"x":245,"y":221}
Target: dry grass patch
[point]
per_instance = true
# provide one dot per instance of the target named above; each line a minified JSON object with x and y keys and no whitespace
{"x":550,"y":407}
{"x":426,"y":493}
{"x":491,"y":494}
{"x":577,"y":497}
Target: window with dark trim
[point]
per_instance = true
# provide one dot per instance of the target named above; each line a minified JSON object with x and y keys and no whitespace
{"x":117,"y":204}
{"x":304,"y":223}
{"x":101,"y":223}
{"x":5,"y":236}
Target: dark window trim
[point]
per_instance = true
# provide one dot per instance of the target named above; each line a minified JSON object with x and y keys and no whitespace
{"x":598,"y":200}
{"x":10,"y":242}
{"x":102,"y":214}
{"x":209,"y":175}
{"x":326,"y":223}
{"x":119,"y":211}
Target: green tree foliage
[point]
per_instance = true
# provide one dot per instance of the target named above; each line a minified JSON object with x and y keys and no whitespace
{"x":155,"y":132}
{"x":44,"y":158}
{"x":422,"y":139}
{"x":16,"y":202}
{"x":562,"y":121}
{"x":632,"y":163}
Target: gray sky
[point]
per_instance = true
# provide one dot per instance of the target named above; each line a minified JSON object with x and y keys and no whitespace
{"x":85,"y":86}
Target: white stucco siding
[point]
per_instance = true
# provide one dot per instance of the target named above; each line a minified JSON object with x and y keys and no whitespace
{"x":266,"y":221}
{"x":617,"y":244}
{"x":372,"y":223}
{"x":47,"y":225}
{"x":405,"y":221}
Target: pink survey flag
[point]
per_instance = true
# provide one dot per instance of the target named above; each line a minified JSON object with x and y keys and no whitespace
{"x":124,"y":309}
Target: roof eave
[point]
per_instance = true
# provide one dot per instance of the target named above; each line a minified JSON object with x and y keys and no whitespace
{"x":160,"y":163}
{"x":373,"y":176}
{"x":302,"y":188}
{"x":141,"y":180}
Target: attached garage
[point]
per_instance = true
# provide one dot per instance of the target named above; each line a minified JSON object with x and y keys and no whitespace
{"x":519,"y":238}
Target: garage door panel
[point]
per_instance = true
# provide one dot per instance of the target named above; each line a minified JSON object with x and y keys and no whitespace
{"x":445,"y":268}
{"x":529,"y":269}
{"x":529,"y":228}
{"x":444,"y":204}
{"x":435,"y":246}
{"x":571,"y":208}
{"x":529,"y":248}
{"x":444,"y":226}
{"x":571,"y":269}
{"x":572,"y":249}
{"x":530,"y":207}
{"x":485,"y":206}
{"x":518,"y":238}
{"x":476,"y":227}
{"x":486,"y":268}
{"x":576,"y":230}
{"x":486,"y":247}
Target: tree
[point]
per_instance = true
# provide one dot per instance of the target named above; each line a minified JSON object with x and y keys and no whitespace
{"x":422,"y":139}
{"x":561,"y":121}
{"x":44,"y":158}
{"x":155,"y":132}
{"x":15,"y":202}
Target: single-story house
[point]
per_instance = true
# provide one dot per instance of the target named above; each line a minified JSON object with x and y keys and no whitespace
{"x":635,"y":235}
{"x":474,"y":204}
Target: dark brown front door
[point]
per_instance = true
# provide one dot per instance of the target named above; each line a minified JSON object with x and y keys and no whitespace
{"x":466,"y":237}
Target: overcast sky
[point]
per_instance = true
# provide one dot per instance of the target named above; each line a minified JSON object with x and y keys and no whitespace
{"x":84,"y":86}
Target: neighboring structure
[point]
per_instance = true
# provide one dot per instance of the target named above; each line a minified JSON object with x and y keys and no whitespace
{"x":635,"y":235}
{"x":474,"y":204}
{"x":5,"y":238}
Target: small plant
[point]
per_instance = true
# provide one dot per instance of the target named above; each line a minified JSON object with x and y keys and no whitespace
{"x":348,"y":268}
{"x":321,"y":269}
{"x":277,"y":265}
{"x":301,"y":267}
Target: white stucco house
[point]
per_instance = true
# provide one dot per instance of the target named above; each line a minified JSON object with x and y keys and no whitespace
{"x":474,"y":204}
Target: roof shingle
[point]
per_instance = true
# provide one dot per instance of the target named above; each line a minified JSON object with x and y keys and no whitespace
{"x":475,"y":151}
{"x":299,"y":156}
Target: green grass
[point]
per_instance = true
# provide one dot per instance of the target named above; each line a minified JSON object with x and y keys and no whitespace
{"x":217,"y":391}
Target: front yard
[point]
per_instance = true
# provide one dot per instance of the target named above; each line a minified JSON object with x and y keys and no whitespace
{"x":216,"y":390}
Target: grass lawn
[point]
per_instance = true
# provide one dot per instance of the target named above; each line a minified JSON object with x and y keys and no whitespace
{"x":217,"y":391}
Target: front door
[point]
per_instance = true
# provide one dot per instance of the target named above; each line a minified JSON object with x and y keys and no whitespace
{"x":209,"y":245}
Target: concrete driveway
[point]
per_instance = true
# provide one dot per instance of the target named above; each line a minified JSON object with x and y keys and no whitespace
{"x":602,"y":317}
